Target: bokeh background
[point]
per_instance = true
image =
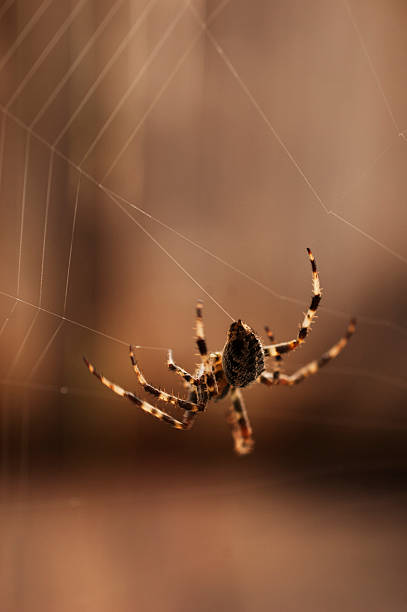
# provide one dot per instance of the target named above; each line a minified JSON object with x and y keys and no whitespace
{"x":254,"y":130}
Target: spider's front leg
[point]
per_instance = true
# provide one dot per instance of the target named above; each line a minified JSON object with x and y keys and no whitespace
{"x":210,"y":380}
{"x":186,"y":423}
{"x":276,"y":378}
{"x":162,"y":395}
{"x":197,"y":385}
{"x":274,"y":350}
{"x":186,"y":376}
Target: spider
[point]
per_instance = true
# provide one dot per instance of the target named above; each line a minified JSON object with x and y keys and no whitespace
{"x":241,"y":362}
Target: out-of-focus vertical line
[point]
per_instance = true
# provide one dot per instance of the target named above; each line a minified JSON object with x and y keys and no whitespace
{"x":4,"y":441}
{"x":23,"y":204}
{"x":71,"y":242}
{"x":165,"y":86}
{"x":99,"y":30}
{"x":4,"y":418}
{"x":169,"y":30}
{"x":54,"y":40}
{"x":44,"y":239}
{"x":5,"y":7}
{"x":153,"y":104}
{"x":25,"y":31}
{"x":105,"y":70}
{"x":2,"y":143}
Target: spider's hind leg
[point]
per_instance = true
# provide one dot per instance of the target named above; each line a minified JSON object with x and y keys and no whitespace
{"x":270,"y":336}
{"x":239,"y":423}
{"x":275,"y":378}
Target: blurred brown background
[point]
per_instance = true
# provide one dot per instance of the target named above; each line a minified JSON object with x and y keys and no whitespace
{"x":278,"y":127}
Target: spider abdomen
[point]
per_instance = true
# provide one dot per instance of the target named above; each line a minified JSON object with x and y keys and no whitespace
{"x":243,"y":355}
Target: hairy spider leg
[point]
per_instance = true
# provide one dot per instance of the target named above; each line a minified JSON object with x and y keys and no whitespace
{"x":189,"y":417}
{"x":275,"y":378}
{"x":203,"y":351}
{"x":197,"y":383}
{"x":200,"y":334}
{"x":145,"y":406}
{"x":238,"y":420}
{"x":188,"y":378}
{"x":161,"y":395}
{"x":273,"y":350}
{"x":270,"y":336}
{"x":221,"y":381}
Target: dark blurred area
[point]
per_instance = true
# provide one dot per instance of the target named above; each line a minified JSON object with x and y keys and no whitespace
{"x":279,"y":127}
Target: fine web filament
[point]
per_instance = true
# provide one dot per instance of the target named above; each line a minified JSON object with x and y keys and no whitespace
{"x":184,"y":270}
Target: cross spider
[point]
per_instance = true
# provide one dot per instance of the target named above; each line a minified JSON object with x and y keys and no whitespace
{"x":240,"y":363}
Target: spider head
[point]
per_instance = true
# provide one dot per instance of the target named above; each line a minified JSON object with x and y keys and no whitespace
{"x":243,"y":355}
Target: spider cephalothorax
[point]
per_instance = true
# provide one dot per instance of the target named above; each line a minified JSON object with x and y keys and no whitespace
{"x":221,"y":373}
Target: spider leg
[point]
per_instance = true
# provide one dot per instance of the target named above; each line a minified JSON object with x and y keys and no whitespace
{"x":188,"y":378}
{"x":270,"y":336}
{"x":189,"y":417}
{"x":203,"y":351}
{"x":161,"y":395}
{"x":145,"y":406}
{"x":273,"y":350}
{"x":200,"y":334}
{"x":239,"y":423}
{"x":269,"y":333}
{"x":275,"y":378}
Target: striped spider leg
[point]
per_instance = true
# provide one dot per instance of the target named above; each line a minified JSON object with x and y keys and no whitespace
{"x":187,"y":406}
{"x":276,"y":378}
{"x":270,"y":336}
{"x":173,"y":399}
{"x":238,"y":420}
{"x":203,"y":385}
{"x":203,"y":351}
{"x":277,"y":358}
{"x":274,"y":350}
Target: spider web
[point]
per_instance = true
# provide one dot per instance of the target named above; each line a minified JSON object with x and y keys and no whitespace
{"x":155,"y":152}
{"x":129,"y":130}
